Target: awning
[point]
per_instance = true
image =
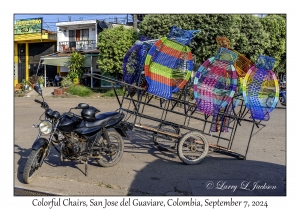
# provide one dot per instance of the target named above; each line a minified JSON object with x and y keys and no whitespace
{"x":62,"y":61}
{"x":55,"y":61}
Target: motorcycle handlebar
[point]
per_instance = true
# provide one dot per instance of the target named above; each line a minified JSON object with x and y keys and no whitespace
{"x":43,"y":104}
{"x":37,"y":101}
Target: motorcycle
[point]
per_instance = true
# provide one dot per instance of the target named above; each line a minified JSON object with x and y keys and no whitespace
{"x":282,"y":96}
{"x":76,"y":138}
{"x":282,"y":93}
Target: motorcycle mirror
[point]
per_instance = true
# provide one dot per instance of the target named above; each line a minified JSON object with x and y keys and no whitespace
{"x":38,"y":89}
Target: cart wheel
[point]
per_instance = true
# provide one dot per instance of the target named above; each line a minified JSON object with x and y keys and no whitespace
{"x":165,"y":142}
{"x":192,"y":148}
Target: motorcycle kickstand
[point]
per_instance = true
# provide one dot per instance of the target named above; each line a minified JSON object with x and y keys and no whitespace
{"x":86,"y":167}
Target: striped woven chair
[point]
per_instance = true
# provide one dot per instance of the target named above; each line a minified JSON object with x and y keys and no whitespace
{"x":259,"y":85}
{"x":169,"y":63}
{"x":215,"y":82}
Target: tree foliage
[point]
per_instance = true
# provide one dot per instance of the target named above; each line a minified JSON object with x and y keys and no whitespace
{"x":113,"y":45}
{"x":253,"y":38}
{"x":248,"y":34}
{"x":75,"y":65}
{"x":275,"y":25}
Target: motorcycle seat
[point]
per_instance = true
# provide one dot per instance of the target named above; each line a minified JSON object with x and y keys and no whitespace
{"x":103,"y":119}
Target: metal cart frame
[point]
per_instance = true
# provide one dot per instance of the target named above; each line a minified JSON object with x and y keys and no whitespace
{"x":187,"y":110}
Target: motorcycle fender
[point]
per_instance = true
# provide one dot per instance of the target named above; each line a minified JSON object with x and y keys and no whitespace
{"x":40,"y":142}
{"x":121,"y":129}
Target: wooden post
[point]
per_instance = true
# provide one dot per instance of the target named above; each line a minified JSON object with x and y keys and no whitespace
{"x":45,"y":76}
{"x":135,"y":22}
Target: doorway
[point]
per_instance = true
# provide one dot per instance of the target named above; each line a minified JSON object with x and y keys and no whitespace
{"x":22,"y":62}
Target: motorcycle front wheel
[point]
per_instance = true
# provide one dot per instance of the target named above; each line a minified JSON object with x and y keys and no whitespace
{"x":110,"y":156}
{"x":32,"y":165}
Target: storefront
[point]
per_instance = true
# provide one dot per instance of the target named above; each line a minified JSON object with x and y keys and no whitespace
{"x":60,"y":59}
{"x":31,"y":42}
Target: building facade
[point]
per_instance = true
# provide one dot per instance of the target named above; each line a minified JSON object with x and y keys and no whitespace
{"x":31,"y":42}
{"x":80,"y":36}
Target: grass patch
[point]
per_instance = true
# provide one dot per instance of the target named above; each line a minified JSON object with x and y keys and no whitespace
{"x":111,"y":93}
{"x":80,"y":90}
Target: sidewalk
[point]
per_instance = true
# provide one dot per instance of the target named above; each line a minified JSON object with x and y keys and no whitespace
{"x":47,"y":91}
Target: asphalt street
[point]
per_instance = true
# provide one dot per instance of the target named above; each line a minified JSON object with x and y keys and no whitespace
{"x":144,"y":169}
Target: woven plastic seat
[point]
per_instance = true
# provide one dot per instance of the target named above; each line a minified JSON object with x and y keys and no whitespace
{"x":261,"y":84}
{"x":169,"y":63}
{"x":242,"y":64}
{"x":215,"y":82}
{"x":133,"y":62}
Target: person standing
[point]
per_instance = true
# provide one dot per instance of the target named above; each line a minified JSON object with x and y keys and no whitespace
{"x":57,"y":78}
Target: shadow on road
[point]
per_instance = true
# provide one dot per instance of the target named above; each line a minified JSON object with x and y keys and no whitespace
{"x":53,"y":160}
{"x":216,"y":175}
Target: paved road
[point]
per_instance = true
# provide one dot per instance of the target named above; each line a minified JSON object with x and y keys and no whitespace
{"x":144,"y":170}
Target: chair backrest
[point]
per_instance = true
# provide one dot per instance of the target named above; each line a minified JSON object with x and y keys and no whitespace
{"x":168,"y":67}
{"x":259,"y":87}
{"x":215,"y":82}
{"x":133,"y":62}
{"x":242,"y":64}
{"x":169,"y":62}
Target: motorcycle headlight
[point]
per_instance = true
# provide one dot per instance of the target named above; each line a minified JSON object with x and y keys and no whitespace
{"x":45,"y":127}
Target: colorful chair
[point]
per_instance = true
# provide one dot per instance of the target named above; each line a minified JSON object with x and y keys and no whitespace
{"x":242,"y":64}
{"x":169,"y":63}
{"x":215,"y":82}
{"x":133,"y":62}
{"x":261,"y":84}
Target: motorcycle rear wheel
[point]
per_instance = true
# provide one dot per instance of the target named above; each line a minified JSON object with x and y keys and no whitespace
{"x":32,"y":165}
{"x":111,"y":156}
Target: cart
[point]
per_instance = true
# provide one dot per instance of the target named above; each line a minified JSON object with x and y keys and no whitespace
{"x":187,"y":112}
{"x":176,"y":126}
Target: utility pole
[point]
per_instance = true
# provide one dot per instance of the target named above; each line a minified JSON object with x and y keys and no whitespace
{"x":135,"y":22}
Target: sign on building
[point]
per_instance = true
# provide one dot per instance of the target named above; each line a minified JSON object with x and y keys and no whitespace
{"x":28,"y":26}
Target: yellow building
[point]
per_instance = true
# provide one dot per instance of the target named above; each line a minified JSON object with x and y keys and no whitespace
{"x":31,"y":42}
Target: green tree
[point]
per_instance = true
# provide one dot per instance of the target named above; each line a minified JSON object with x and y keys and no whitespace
{"x":253,"y":39}
{"x":211,"y":26}
{"x":75,"y":65}
{"x":113,"y":44}
{"x":275,"y":26}
{"x":247,"y":33}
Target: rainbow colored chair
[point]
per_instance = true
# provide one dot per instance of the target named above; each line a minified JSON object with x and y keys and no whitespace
{"x":169,"y":63}
{"x":242,"y":64}
{"x":261,"y":84}
{"x":215,"y":82}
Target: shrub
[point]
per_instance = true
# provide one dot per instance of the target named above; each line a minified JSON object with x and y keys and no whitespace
{"x":66,"y":82}
{"x":75,"y":63}
{"x":79,"y":90}
{"x":113,"y":45}
{"x":111,"y":93}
